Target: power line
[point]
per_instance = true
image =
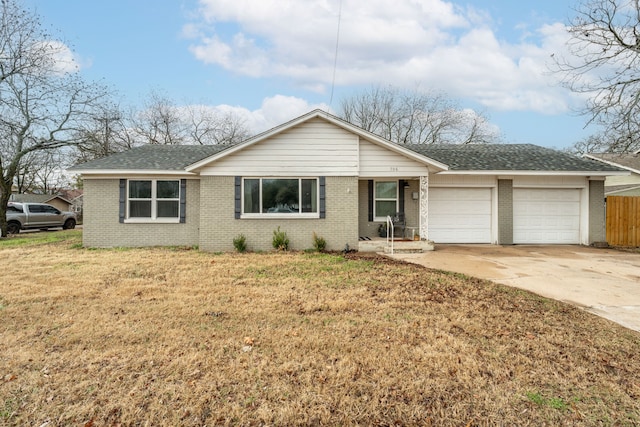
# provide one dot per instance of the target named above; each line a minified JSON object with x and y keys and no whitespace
{"x":335,"y":58}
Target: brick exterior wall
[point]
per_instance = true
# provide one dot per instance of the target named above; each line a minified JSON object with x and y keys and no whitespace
{"x":505,"y":212}
{"x":102,"y":227}
{"x":597,"y":213}
{"x":218,"y":225}
{"x":365,"y":228}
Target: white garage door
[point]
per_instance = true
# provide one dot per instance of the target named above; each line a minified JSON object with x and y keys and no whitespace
{"x":546,"y":216}
{"x":460,"y":215}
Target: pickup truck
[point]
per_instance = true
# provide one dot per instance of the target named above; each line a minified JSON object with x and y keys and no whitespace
{"x":25,"y":216}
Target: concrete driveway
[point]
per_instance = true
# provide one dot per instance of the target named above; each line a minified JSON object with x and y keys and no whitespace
{"x":602,"y":281}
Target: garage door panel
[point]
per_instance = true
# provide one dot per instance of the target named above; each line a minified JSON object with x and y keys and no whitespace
{"x":460,"y":215}
{"x":547,"y":208}
{"x":546,"y":216}
{"x":457,"y":235}
{"x":461,"y":207}
{"x":462,"y":221}
{"x":547,"y":194}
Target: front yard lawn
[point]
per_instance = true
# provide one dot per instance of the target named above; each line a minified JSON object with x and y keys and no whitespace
{"x":175,"y":336}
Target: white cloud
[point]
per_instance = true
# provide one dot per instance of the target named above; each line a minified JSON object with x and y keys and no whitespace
{"x":433,"y":43}
{"x":273,"y":112}
{"x":63,"y":60}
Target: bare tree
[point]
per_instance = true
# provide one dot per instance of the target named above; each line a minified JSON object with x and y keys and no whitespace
{"x":604,"y":64}
{"x":25,"y":179}
{"x":109,"y":131}
{"x":49,"y":176}
{"x":42,"y":105}
{"x":160,"y":122}
{"x":413,"y":117}
{"x":208,"y":126}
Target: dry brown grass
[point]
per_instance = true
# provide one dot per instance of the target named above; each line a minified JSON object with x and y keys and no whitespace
{"x":179,"y":337}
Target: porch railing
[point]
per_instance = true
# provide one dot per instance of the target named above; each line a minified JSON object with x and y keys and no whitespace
{"x":390,"y":236}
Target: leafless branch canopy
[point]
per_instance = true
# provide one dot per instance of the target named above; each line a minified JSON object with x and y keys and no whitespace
{"x":43,"y":103}
{"x":604,"y":64}
{"x":412,"y":117}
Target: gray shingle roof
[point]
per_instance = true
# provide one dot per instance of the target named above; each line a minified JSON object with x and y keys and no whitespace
{"x":153,"y":157}
{"x":631,"y":161}
{"x":475,"y":157}
{"x":508,"y":157}
{"x":35,"y":198}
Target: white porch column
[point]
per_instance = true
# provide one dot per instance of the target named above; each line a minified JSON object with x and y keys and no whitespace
{"x":424,"y":207}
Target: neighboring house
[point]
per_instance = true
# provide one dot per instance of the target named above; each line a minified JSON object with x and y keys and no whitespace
{"x":75,"y":197}
{"x":318,"y":173}
{"x":77,"y":203}
{"x":628,"y":185}
{"x":51,"y":199}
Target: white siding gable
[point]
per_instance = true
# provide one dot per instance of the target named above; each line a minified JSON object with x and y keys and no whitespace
{"x":312,"y":148}
{"x":378,"y":161}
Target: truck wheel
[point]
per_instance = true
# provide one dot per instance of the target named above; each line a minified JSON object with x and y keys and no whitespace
{"x":13,"y":228}
{"x":69,"y":224}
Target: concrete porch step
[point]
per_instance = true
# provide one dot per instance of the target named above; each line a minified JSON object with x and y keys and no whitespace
{"x":387,"y":250}
{"x":399,"y":246}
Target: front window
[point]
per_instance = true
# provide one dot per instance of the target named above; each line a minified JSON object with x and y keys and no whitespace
{"x":273,"y":196}
{"x":153,"y":199}
{"x":386,"y":199}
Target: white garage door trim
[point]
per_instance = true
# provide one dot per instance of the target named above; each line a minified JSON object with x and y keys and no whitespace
{"x":460,"y":215}
{"x":546,"y":215}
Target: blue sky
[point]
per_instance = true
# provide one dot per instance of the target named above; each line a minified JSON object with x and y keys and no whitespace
{"x":271,"y":60}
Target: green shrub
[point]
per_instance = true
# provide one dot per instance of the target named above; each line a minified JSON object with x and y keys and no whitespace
{"x":240,"y":243}
{"x":319,"y":244}
{"x":280,"y":240}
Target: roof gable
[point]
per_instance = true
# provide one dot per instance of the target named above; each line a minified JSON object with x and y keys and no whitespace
{"x":324,"y":116}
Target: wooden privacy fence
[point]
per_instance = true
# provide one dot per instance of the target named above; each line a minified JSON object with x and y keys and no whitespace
{"x":623,"y":221}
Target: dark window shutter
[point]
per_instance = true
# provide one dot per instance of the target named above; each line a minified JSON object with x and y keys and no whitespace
{"x":401,"y":195}
{"x":183,"y":200}
{"x":370,"y":200}
{"x":123,"y":199}
{"x":238,"y":198}
{"x":323,"y":208}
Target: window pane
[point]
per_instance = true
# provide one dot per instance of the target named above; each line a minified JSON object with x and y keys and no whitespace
{"x":251,"y":196}
{"x":386,"y":190}
{"x":168,"y":209}
{"x":309,"y":195}
{"x":140,"y":209}
{"x":140,"y":189}
{"x":168,"y":190}
{"x":384,"y":208}
{"x":280,"y":195}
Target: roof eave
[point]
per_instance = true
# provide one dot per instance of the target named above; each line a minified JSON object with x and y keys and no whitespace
{"x":534,"y":172}
{"x":128,"y":172}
